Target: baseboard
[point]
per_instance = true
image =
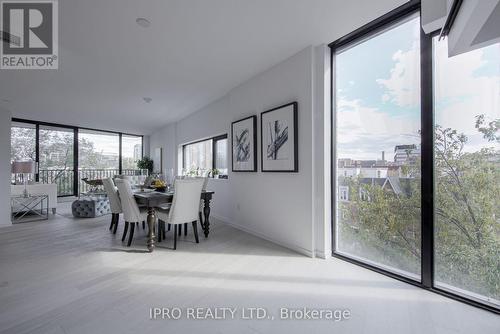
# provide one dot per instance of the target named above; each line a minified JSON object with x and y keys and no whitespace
{"x":295,"y":248}
{"x":321,"y":254}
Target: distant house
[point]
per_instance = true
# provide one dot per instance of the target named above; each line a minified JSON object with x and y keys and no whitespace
{"x":397,"y":185}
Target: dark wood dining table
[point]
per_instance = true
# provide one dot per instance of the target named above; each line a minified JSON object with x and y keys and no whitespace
{"x":153,"y":199}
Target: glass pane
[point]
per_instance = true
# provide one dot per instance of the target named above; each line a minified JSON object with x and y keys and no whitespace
{"x":56,"y":158}
{"x":198,"y":158}
{"x":221,"y":156}
{"x":98,"y":156}
{"x":131,"y":153}
{"x":467,"y":172}
{"x":378,"y":150}
{"x":22,"y":146}
{"x":23,"y":142}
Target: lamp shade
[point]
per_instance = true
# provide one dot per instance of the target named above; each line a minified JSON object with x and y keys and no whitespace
{"x":23,"y":167}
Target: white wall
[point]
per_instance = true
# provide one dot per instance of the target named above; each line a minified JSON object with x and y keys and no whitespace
{"x":275,"y":206}
{"x":5,"y":118}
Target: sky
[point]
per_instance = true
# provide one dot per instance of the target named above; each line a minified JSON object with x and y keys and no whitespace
{"x":378,"y":92}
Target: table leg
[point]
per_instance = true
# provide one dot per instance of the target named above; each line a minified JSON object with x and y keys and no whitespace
{"x":206,"y":212}
{"x":151,"y":227}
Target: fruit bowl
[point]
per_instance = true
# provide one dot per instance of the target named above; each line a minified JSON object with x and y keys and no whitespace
{"x":160,"y":188}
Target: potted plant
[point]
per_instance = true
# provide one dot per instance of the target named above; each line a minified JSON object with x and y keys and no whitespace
{"x":215,"y":173}
{"x":145,"y":163}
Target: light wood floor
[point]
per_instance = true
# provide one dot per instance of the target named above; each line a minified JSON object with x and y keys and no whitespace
{"x":73,"y":276}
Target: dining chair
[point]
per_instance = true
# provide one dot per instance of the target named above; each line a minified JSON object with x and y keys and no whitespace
{"x":184,"y":208}
{"x":132,"y":214}
{"x":202,"y":204}
{"x":114,"y":202}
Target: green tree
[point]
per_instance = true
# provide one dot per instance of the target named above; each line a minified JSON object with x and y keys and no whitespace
{"x":384,"y":226}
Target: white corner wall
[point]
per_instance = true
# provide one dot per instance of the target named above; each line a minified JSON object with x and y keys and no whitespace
{"x":275,"y":206}
{"x":5,"y":119}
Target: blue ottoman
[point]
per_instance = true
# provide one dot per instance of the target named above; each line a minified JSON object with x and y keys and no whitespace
{"x":90,"y":207}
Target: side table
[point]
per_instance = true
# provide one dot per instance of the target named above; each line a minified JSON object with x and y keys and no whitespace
{"x":28,"y":209}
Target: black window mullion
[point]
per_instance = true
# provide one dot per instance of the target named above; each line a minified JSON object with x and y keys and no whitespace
{"x":76,"y":176}
{"x":37,"y":152}
{"x":214,"y":152}
{"x":120,"y":154}
{"x":427,"y":158}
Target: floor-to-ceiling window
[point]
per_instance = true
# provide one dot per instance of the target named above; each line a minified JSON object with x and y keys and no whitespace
{"x":416,"y":158}
{"x":377,"y":83}
{"x":467,"y":171}
{"x":56,"y":165}
{"x":131,"y":151}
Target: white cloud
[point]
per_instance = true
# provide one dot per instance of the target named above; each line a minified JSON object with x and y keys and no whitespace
{"x":403,"y":85}
{"x":465,"y":95}
{"x":460,"y":95}
{"x":363,"y":132}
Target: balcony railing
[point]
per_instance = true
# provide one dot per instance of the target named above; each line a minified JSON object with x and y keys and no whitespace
{"x":65,"y":178}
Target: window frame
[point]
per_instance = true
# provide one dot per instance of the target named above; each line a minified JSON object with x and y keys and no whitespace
{"x":76,"y":148}
{"x":214,"y":140}
{"x":427,"y":151}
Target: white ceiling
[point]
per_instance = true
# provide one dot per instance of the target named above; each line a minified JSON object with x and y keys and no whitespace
{"x":194,"y":52}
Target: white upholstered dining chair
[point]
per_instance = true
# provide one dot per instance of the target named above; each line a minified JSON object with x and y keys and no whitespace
{"x":132,"y":214}
{"x":114,"y":202}
{"x":184,"y":208}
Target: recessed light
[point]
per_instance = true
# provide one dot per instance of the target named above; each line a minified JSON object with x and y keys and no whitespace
{"x":147,"y":99}
{"x":143,"y":22}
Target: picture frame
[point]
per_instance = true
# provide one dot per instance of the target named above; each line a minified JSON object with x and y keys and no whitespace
{"x":244,"y":144}
{"x":279,"y":139}
{"x":158,"y":160}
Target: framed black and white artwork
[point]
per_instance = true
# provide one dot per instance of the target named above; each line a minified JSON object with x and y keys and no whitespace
{"x":244,"y":144}
{"x":279,"y":139}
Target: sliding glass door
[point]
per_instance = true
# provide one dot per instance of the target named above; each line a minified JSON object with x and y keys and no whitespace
{"x":467,"y":172}
{"x":377,"y":88}
{"x":56,"y":165}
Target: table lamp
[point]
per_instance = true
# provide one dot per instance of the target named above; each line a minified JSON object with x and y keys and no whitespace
{"x":24,"y":168}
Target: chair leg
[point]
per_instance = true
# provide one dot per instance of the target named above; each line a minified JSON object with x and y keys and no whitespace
{"x":201,"y":219}
{"x":159,"y":230}
{"x":180,"y":229}
{"x":131,"y":235}
{"x":195,"y":231}
{"x":175,"y":235}
{"x":125,"y":231}
{"x":112,"y":221}
{"x":169,"y":227}
{"x":163,"y":229}
{"x":185,"y":229}
{"x":117,"y":220}
{"x":143,"y":225}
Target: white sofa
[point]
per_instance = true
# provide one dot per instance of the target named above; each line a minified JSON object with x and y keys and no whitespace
{"x":38,"y":189}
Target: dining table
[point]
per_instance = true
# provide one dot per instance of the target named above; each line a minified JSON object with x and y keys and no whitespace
{"x":153,"y":199}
